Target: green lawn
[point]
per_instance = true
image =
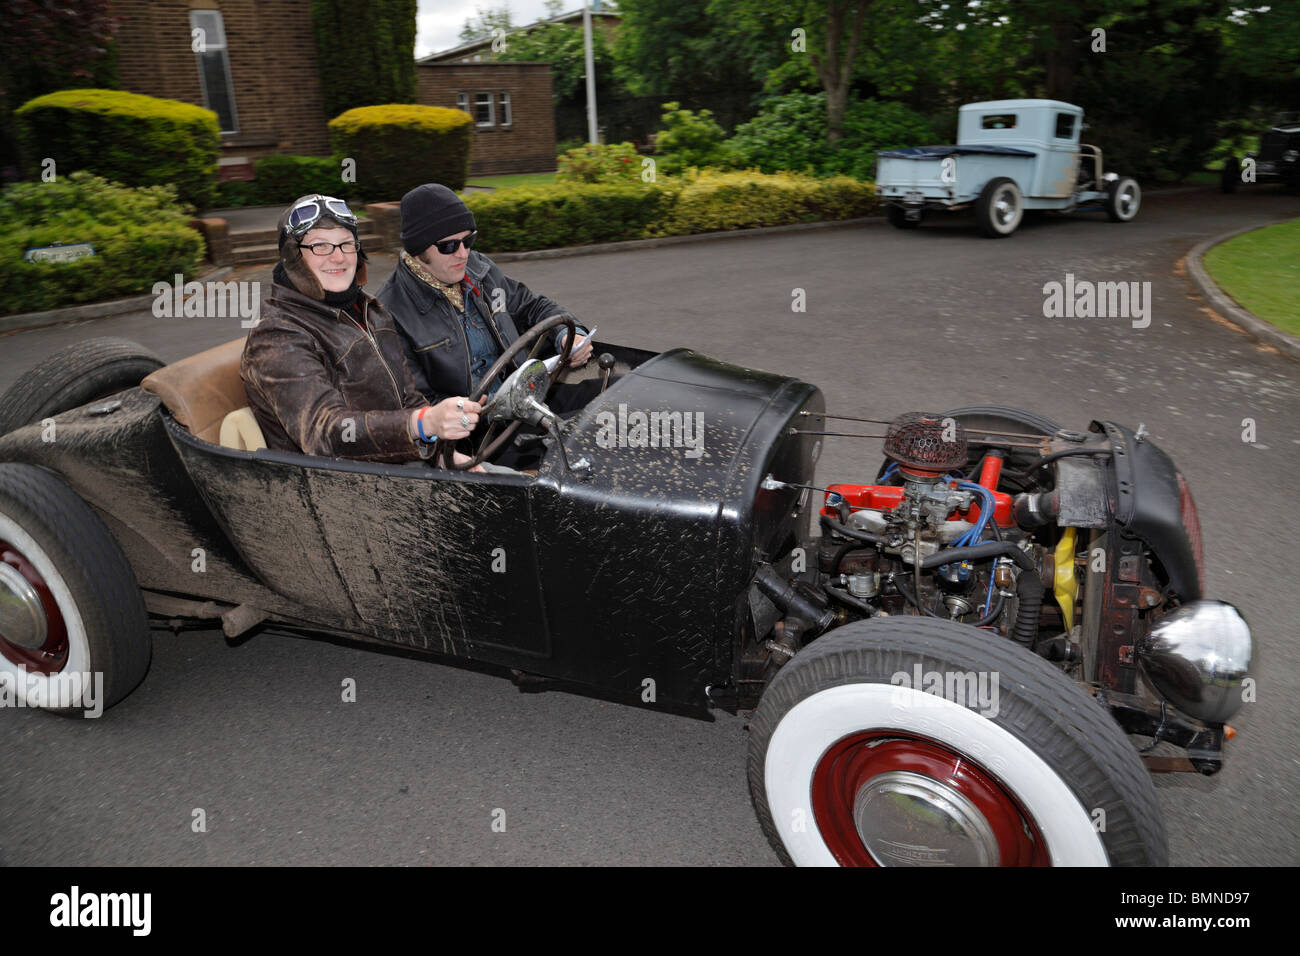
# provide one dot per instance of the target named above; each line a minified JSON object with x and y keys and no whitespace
{"x":505,"y":182}
{"x":1261,"y":270}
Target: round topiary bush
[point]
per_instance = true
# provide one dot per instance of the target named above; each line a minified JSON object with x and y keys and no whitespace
{"x":399,"y":146}
{"x":125,"y":137}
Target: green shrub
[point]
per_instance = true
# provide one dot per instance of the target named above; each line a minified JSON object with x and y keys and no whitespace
{"x":789,"y":133}
{"x":600,"y":164}
{"x":572,"y":214}
{"x":140,"y":236}
{"x":715,"y":200}
{"x":569,"y":214}
{"x":400,"y":146}
{"x":282,"y":179}
{"x":690,"y":139}
{"x":125,"y":137}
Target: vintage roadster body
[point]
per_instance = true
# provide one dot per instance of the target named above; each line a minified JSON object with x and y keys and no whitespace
{"x":945,"y":674}
{"x":1010,"y":156}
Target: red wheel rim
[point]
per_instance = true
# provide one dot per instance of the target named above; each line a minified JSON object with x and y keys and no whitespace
{"x":855,"y":761}
{"x":52,"y":656}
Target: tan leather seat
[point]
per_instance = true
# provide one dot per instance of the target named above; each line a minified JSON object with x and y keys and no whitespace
{"x":240,"y":431}
{"x":200,"y":391}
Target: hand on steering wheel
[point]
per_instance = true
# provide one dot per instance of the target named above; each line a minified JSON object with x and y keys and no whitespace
{"x":492,"y":442}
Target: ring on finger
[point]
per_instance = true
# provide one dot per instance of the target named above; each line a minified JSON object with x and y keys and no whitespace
{"x":464,"y":421}
{"x":460,"y":405}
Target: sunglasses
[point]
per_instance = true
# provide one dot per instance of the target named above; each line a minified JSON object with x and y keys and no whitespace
{"x":449,"y":246}
{"x":310,"y":211}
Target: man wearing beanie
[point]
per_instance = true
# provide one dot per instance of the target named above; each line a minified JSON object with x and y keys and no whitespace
{"x":455,"y":308}
{"x":324,"y":369}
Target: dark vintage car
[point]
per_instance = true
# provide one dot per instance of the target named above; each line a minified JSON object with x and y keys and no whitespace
{"x":1277,"y":161}
{"x":947,"y":672}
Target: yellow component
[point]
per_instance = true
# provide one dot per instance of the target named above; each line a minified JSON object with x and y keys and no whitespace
{"x":1066,"y":587}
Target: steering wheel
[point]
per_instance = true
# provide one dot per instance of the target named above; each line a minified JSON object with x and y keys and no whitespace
{"x":492,"y":442}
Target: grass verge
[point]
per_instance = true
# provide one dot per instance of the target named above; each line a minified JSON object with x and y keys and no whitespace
{"x":1261,"y":270}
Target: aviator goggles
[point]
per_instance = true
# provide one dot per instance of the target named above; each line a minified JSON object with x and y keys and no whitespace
{"x":309,"y":211}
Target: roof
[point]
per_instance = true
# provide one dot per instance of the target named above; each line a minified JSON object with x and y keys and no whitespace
{"x":472,"y":45}
{"x":1021,"y":105}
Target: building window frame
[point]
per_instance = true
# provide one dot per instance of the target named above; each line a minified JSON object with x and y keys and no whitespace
{"x":504,"y":108}
{"x":484,"y":98}
{"x":214,"y":41}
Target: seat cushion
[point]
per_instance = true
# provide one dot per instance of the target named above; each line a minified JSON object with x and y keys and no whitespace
{"x":240,"y":431}
{"x":200,"y":391}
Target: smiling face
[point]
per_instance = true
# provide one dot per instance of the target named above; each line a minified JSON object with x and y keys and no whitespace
{"x":449,"y":269}
{"x":335,"y":271}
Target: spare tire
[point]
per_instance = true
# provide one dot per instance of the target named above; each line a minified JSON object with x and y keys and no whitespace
{"x":75,"y":376}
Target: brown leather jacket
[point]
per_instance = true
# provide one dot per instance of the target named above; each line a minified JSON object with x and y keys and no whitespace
{"x":318,"y":384}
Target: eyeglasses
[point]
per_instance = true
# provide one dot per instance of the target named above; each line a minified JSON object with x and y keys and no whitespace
{"x":449,"y":246}
{"x":309,"y":212}
{"x":350,"y":246}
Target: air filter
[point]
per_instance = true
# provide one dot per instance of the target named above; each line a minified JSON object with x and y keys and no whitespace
{"x":926,"y":442}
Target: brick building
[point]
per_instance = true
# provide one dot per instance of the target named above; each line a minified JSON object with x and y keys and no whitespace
{"x":514,"y":117}
{"x":256,"y":70}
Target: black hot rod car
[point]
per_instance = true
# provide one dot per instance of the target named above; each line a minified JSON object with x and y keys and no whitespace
{"x":1277,"y":161}
{"x":947,"y":672}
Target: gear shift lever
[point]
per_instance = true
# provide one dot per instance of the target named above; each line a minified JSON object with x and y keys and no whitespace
{"x":606,"y":363}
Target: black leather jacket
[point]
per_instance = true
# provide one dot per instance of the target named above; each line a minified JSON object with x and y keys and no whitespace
{"x":435,"y":337}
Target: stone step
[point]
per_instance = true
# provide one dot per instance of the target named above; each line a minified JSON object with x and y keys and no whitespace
{"x":245,"y":254}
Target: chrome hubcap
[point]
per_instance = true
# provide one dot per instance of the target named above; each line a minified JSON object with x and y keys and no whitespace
{"x":22,"y":617}
{"x":907,"y":819}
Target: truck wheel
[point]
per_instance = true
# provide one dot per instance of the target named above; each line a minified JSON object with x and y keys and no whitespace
{"x":74,"y":376}
{"x":69,"y":602}
{"x":849,"y":764}
{"x":898,"y":218}
{"x":999,"y":208}
{"x":1123,"y":197}
{"x":1230,"y":177}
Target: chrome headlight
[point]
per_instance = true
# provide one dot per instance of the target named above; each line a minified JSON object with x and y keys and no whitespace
{"x":1196,"y":658}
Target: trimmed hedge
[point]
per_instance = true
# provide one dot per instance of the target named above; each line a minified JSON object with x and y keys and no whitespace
{"x":140,"y":236}
{"x":599,"y":163}
{"x":282,"y":179}
{"x":125,"y":137}
{"x":544,"y":217}
{"x":400,"y":146}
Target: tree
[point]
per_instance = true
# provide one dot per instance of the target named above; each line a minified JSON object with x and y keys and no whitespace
{"x":47,"y":46}
{"x":364,"y":60}
{"x":485,"y":23}
{"x":828,"y":32}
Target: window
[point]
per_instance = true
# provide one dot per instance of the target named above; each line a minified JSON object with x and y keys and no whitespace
{"x":462,"y":102}
{"x":998,"y":121}
{"x":503,"y":108}
{"x":1064,"y":125}
{"x":483,"y":109}
{"x":208,"y":41}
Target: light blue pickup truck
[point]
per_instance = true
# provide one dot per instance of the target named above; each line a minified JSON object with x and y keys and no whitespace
{"x":1011,"y":156}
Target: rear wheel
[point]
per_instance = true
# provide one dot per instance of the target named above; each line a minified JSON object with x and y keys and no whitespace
{"x":74,"y":633}
{"x":74,"y":376}
{"x":1000,"y":208}
{"x":850,"y":765}
{"x":1123,"y":199}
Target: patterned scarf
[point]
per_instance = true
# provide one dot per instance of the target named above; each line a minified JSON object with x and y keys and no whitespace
{"x":454,"y":293}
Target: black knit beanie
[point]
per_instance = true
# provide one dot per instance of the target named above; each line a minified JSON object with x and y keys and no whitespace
{"x":431,"y":213}
{"x":298,"y":274}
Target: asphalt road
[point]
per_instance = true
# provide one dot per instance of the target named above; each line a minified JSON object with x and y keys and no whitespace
{"x":257,"y":737}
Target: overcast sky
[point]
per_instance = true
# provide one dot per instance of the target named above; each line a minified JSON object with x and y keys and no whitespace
{"x":439,"y":21}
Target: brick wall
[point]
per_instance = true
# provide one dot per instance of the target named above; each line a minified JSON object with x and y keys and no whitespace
{"x":272,"y":56}
{"x":527,"y":145}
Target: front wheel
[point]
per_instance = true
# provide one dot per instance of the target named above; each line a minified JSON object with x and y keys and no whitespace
{"x":1000,"y":208}
{"x":914,"y":742}
{"x":1123,"y":198}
